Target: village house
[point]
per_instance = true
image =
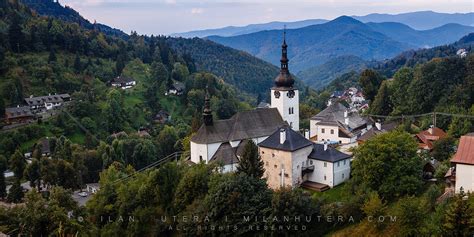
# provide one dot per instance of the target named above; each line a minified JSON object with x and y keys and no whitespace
{"x":161,"y":117}
{"x":379,"y":128}
{"x":42,"y":104}
{"x":463,"y":160}
{"x":177,"y":88}
{"x":218,"y":137}
{"x":291,"y":160}
{"x":19,"y":114}
{"x":336,"y":125}
{"x":123,"y":82}
{"x":427,"y":137}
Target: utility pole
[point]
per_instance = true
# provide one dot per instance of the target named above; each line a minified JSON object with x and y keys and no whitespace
{"x":434,"y":119}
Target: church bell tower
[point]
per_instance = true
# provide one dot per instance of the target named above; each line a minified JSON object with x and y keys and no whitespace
{"x":284,"y":96}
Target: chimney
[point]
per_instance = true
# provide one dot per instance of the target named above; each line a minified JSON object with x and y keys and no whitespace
{"x":346,"y":121}
{"x":430,"y":130}
{"x":378,"y":124}
{"x":282,"y":135}
{"x":346,"y":114}
{"x":325,"y":146}
{"x":306,"y":134}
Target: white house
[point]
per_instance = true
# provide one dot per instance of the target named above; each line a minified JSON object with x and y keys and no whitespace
{"x":292,"y":160}
{"x":336,"y":125}
{"x":44,"y":103}
{"x":219,"y":140}
{"x":123,"y":82}
{"x":464,"y":164}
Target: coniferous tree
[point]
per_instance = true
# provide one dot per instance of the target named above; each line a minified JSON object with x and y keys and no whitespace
{"x":33,"y":174}
{"x":15,"y":33}
{"x":15,"y":193}
{"x":382,"y":103}
{"x":2,"y":107}
{"x":251,"y":163}
{"x":52,"y":56}
{"x":3,"y":168}
{"x":459,"y":217}
{"x":77,"y":64}
{"x":18,"y":164}
{"x":370,"y":82}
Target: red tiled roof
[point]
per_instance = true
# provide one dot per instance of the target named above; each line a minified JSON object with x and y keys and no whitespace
{"x":426,"y":138}
{"x":465,"y":153}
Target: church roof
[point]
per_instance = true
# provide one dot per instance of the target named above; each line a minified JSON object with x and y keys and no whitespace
{"x":294,"y":141}
{"x":259,"y":122}
{"x":330,"y":154}
{"x":225,"y":154}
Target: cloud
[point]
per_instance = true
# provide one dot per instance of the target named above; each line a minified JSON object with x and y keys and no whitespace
{"x":197,"y":11}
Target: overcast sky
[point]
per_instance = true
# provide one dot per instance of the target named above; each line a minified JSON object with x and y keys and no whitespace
{"x":171,"y":16}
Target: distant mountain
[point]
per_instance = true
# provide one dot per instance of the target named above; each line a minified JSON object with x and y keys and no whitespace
{"x":422,"y":20}
{"x":321,"y":75}
{"x":241,"y":30}
{"x":65,"y":13}
{"x":426,"y":38}
{"x":314,"y":45}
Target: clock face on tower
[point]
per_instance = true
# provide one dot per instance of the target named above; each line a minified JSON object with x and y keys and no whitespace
{"x":291,"y":94}
{"x":277,"y":94}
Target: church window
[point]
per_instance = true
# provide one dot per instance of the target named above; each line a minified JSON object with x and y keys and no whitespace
{"x":325,"y":164}
{"x":338,"y":164}
{"x":311,"y":162}
{"x":342,"y":175}
{"x":200,"y":158}
{"x":332,"y":131}
{"x":323,"y":130}
{"x":324,"y":177}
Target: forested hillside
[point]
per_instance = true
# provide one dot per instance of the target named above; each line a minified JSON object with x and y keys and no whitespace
{"x":238,"y":68}
{"x":413,"y":57}
{"x":54,"y":9}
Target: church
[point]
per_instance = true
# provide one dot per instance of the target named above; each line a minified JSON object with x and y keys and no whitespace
{"x":220,"y":140}
{"x":290,"y":158}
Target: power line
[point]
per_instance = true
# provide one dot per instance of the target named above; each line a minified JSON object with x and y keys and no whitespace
{"x":434,"y":114}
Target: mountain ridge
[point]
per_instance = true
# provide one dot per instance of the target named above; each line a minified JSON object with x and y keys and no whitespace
{"x":429,"y":20}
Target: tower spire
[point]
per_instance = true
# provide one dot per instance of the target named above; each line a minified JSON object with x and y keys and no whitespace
{"x":284,"y":79}
{"x":207,"y":112}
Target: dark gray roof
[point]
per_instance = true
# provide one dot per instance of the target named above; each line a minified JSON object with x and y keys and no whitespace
{"x":16,"y":112}
{"x":243,"y":125}
{"x":374,"y":131}
{"x":335,"y":113}
{"x":330,"y":155}
{"x":294,"y":141}
{"x":122,"y":79}
{"x":178,"y":85}
{"x":32,"y":101}
{"x":226,"y":155}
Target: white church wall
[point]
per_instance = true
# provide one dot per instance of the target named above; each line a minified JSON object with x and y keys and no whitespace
{"x":198,"y":152}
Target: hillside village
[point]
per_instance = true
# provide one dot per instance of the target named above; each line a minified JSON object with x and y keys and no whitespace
{"x":136,"y":135}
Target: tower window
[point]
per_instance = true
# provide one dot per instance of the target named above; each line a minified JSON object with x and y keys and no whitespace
{"x":291,"y":110}
{"x":200,"y":158}
{"x":332,"y":131}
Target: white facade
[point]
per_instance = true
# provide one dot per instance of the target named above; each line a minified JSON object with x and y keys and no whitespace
{"x":204,"y":152}
{"x":287,"y":105}
{"x":327,"y":133}
{"x":331,"y":174}
{"x":299,"y":161}
{"x":464,"y":178}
